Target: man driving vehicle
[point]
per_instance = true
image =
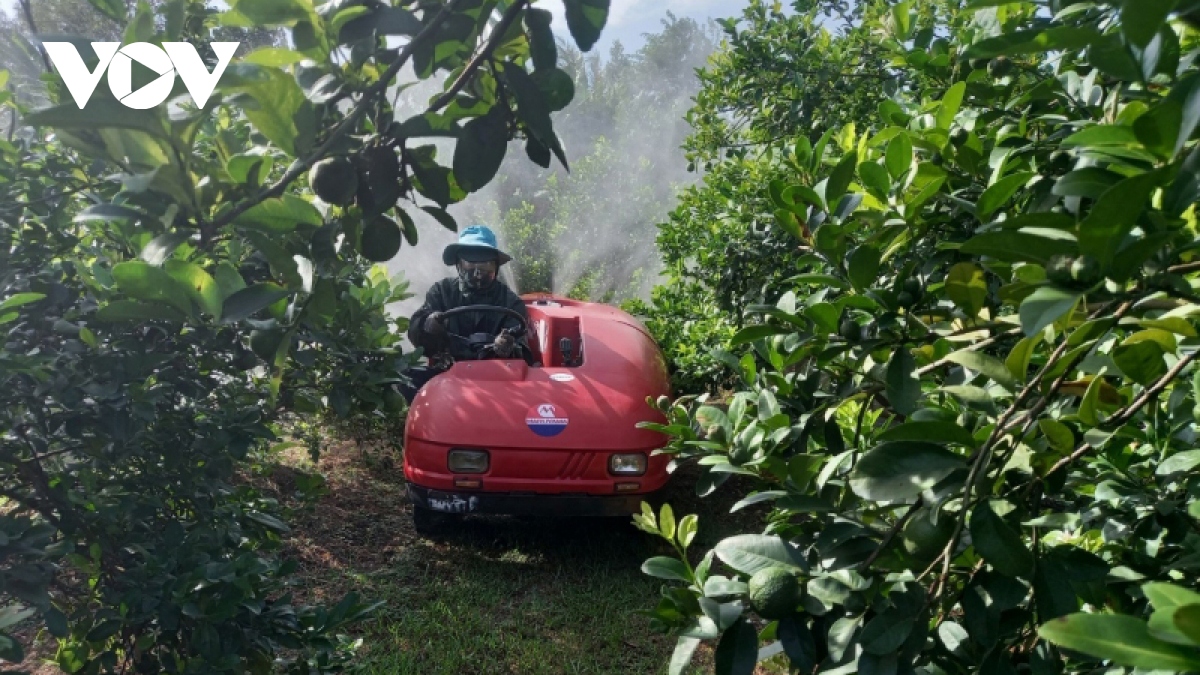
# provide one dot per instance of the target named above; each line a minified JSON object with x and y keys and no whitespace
{"x":477,"y":259}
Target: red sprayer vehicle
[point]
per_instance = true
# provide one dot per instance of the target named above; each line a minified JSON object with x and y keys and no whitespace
{"x":558,"y":437}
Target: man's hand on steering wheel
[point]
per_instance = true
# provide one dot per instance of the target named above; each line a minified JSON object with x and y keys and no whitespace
{"x":504,"y":345}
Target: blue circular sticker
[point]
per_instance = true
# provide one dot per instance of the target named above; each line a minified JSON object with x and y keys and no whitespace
{"x":546,"y":419}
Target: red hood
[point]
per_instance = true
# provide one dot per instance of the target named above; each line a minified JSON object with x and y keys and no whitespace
{"x":596,"y":405}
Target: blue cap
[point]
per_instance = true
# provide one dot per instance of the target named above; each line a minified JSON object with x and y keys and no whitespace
{"x":475,"y":237}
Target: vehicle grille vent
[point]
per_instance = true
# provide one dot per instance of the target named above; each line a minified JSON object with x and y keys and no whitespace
{"x":576,"y":465}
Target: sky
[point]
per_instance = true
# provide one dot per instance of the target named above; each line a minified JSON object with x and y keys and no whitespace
{"x":628,"y":20}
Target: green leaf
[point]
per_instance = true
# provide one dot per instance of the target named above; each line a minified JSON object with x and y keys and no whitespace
{"x":12,"y":651}
{"x":143,"y":281}
{"x":1187,"y":620}
{"x":273,"y":12}
{"x":951,"y":102}
{"x":929,"y":430}
{"x":666,"y":522}
{"x":1000,"y":545}
{"x":1091,"y":400}
{"x":750,"y":553}
{"x":251,"y":299}
{"x":11,"y":615}
{"x":864,"y":265}
{"x":1099,"y":135}
{"x":533,"y":107}
{"x":897,"y":470}
{"x":1141,"y":19}
{"x":1018,"y":359}
{"x":686,"y":532}
{"x":135,"y":310}
{"x":1045,"y":306}
{"x":1121,"y":639}
{"x":1066,"y":38}
{"x":280,"y":215}
{"x":840,"y":179}
{"x":875,"y":178}
{"x":542,"y":47}
{"x":1180,"y":462}
{"x":270,"y":99}
{"x":737,"y":652}
{"x":585,"y":21}
{"x":480,"y":149}
{"x":1018,"y":246}
{"x":203,"y":287}
{"x":1088,"y":182}
{"x":903,"y":385}
{"x":161,"y":247}
{"x":899,"y":155}
{"x":757,"y":332}
{"x":681,"y":658}
{"x":56,"y":623}
{"x":1141,"y":361}
{"x":1114,"y":216}
{"x":113,"y":9}
{"x":987,"y":365}
{"x":444,"y":219}
{"x":110,"y":212}
{"x":19,"y":299}
{"x":1059,"y":435}
{"x":1000,"y":192}
{"x":967,"y":288}
{"x":662,"y":567}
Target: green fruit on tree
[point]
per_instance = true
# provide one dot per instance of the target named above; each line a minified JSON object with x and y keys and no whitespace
{"x":1085,"y":270}
{"x":244,"y":359}
{"x":850,"y":330}
{"x":905,"y":299}
{"x":380,"y":239}
{"x":775,"y":592}
{"x":912,"y":286}
{"x":923,"y":539}
{"x":265,"y":342}
{"x":1000,"y":66}
{"x":1060,"y":162}
{"x":959,"y":136}
{"x":1058,"y":271}
{"x":334,"y":180}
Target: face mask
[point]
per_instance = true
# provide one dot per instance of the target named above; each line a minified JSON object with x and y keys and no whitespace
{"x":477,"y":275}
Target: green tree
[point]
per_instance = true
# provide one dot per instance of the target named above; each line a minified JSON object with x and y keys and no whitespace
{"x":171,"y":288}
{"x":969,"y":406}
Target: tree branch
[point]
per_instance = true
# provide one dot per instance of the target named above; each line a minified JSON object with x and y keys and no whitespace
{"x":301,"y":165}
{"x":477,"y":60}
{"x":27,"y":10}
{"x":1125,"y":414}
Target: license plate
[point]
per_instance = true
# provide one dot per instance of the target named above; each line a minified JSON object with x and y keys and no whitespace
{"x":453,"y":504}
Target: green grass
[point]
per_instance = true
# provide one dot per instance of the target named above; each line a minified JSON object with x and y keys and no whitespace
{"x":507,"y":596}
{"x":493,"y":595}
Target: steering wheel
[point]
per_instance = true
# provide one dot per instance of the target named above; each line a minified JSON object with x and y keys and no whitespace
{"x":482,"y":343}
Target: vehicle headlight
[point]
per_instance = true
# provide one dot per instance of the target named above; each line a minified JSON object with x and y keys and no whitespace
{"x":632,"y":464}
{"x":461,"y":460}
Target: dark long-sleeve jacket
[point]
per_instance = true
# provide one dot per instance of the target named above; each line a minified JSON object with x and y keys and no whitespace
{"x":450,"y":293}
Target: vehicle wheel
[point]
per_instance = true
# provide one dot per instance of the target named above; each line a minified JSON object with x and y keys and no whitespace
{"x":427,"y":522}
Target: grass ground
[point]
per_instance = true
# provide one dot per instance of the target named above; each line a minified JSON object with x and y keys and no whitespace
{"x":492,"y":596}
